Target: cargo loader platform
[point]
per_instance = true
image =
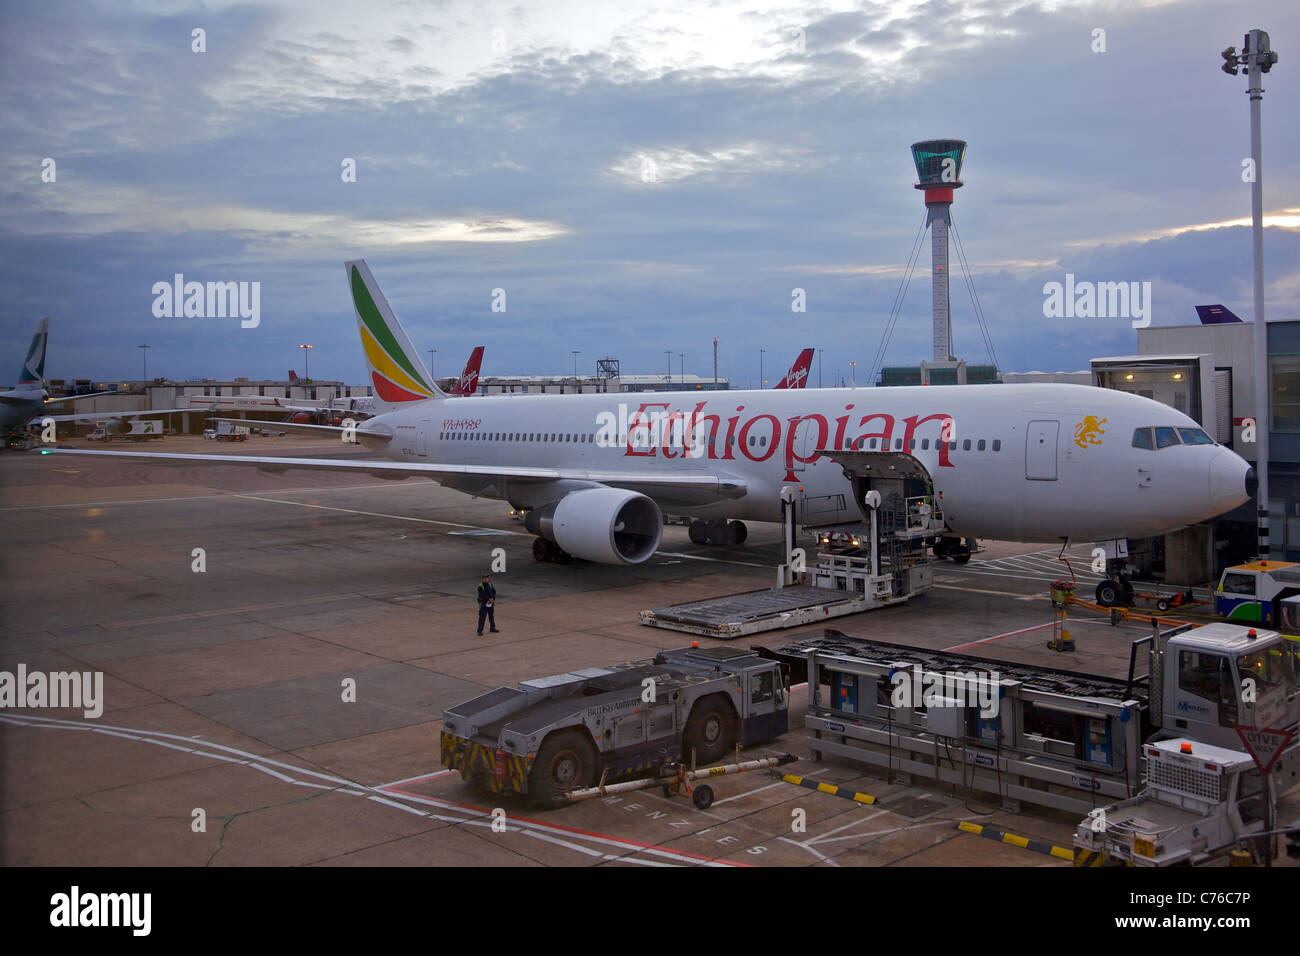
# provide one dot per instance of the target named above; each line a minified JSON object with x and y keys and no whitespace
{"x":754,"y":611}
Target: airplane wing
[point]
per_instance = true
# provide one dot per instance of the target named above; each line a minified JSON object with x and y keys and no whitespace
{"x":285,"y":426}
{"x":98,"y":416}
{"x":721,"y":486}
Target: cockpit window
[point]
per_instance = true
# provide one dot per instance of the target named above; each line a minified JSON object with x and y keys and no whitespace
{"x":1166,"y":437}
{"x":1194,"y":436}
{"x":1142,"y":439}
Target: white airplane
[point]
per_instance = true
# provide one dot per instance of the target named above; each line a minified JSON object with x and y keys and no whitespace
{"x":1032,"y":462}
{"x":26,"y":399}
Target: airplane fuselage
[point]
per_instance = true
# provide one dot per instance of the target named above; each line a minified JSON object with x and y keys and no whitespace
{"x":1028,"y":462}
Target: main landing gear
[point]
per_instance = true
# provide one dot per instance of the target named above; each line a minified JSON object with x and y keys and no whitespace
{"x":954,"y":548}
{"x":718,"y":532}
{"x":544,"y":550}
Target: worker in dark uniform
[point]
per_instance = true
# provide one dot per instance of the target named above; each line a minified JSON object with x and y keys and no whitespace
{"x":487,"y":596}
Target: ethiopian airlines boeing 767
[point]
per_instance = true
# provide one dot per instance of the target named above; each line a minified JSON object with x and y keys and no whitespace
{"x":1034,"y":462}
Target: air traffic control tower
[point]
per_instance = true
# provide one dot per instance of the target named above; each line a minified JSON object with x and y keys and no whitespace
{"x":938,"y":170}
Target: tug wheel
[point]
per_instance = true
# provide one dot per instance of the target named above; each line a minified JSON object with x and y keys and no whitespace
{"x":710,"y":731}
{"x":567,"y":760}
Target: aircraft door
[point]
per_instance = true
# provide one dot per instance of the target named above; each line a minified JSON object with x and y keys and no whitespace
{"x":422,"y":438}
{"x":1040,"y":451}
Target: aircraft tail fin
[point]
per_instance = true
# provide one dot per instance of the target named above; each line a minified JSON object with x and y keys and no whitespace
{"x":32,"y":374}
{"x":1215,"y":315}
{"x":293,"y":376}
{"x":396,"y":372}
{"x":468,"y":382}
{"x":797,"y":377}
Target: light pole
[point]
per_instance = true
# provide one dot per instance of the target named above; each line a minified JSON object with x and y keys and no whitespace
{"x":306,"y":362}
{"x":819,"y":367}
{"x":761,"y":380}
{"x":682,"y":357}
{"x":432,"y":353}
{"x":576,"y":353}
{"x":144,"y":356}
{"x":1258,"y":59}
{"x":669,"y":353}
{"x":854,"y":373}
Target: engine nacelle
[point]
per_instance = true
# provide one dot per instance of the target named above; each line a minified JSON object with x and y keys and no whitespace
{"x":608,"y":525}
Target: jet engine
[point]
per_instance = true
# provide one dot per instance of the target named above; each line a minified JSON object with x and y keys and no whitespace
{"x":608,"y":525}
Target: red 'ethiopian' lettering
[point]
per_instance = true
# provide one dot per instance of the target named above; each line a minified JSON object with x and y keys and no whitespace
{"x":913,"y":422}
{"x":791,"y":456}
{"x":884,"y":434}
{"x":744,"y":437}
{"x":634,"y":423}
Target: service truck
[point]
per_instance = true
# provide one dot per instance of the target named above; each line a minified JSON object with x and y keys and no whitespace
{"x":1199,"y":800}
{"x":556,"y":734}
{"x":1253,"y":592}
{"x":228,"y":431}
{"x":135,"y":429}
{"x":1219,"y":685}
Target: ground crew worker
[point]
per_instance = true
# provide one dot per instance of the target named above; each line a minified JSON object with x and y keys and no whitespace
{"x":487,"y":596}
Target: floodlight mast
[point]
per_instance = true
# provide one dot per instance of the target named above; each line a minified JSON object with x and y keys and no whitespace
{"x":1257,"y":58}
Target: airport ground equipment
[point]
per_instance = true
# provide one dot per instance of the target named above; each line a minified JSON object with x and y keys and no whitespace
{"x":1061,"y":640}
{"x":1199,"y":802}
{"x":1056,"y":738}
{"x":880,"y":561}
{"x":227,"y":430}
{"x":678,"y":778}
{"x":561,"y":733}
{"x":1253,"y":593}
{"x":137,"y":429}
{"x":1063,"y":595}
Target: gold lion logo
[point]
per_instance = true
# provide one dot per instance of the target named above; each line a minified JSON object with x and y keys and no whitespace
{"x":1089,"y":431}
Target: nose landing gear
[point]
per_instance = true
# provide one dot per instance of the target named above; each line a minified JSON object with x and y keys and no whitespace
{"x":1116,"y":591}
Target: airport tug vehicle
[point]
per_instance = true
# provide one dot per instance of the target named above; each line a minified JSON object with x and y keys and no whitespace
{"x":553,"y":736}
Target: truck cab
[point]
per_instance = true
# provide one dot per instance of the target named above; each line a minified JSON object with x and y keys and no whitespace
{"x":1221,"y":676}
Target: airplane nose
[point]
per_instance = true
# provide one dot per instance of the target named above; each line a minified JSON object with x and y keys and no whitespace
{"x":1232,"y":481}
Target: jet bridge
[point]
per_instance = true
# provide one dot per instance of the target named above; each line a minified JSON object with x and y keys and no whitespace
{"x":881,"y":560}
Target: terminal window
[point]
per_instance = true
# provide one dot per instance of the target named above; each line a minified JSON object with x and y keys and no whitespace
{"x":1285,"y":392}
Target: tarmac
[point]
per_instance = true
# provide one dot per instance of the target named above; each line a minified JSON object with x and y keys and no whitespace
{"x":277,"y":652}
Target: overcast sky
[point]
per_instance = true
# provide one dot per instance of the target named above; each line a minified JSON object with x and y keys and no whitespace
{"x":638,"y":177}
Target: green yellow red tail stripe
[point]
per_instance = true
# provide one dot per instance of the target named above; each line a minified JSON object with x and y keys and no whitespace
{"x":396,"y":371}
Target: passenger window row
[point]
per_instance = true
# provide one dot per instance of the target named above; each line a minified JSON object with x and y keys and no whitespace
{"x":966,"y":445}
{"x":1165,"y":436}
{"x":581,"y":439}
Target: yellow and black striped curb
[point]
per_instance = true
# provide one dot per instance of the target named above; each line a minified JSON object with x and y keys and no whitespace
{"x":830,"y":788}
{"x":1060,"y":852}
